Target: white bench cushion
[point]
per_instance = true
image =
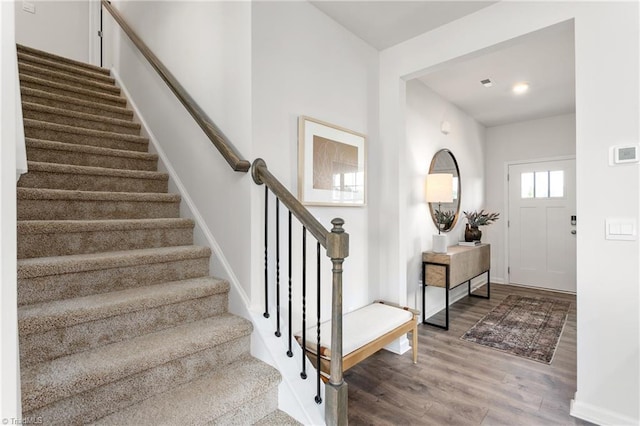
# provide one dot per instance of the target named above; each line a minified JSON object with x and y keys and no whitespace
{"x":359,"y":327}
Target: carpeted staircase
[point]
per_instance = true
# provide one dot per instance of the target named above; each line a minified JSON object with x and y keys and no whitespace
{"x":119,"y":320}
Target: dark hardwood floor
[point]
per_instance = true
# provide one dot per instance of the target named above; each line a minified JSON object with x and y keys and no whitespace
{"x":461,"y":383}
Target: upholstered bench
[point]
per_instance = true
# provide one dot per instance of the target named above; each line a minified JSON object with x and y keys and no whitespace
{"x":364,"y":332}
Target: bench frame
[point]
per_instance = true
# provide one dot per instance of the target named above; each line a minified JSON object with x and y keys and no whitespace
{"x":373,"y":346}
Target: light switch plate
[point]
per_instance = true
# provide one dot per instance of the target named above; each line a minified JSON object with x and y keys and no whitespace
{"x":624,"y":229}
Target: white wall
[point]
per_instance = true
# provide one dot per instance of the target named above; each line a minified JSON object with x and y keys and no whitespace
{"x":207,"y":46}
{"x":607,"y":50}
{"x":304,"y":63}
{"x":60,"y":27}
{"x":527,"y":140}
{"x":424,"y":113}
{"x":9,"y":363}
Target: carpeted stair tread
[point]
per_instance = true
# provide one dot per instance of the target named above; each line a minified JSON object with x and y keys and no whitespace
{"x":86,"y":178}
{"x":57,"y":58}
{"x":88,"y":406}
{"x":202,"y":401}
{"x":57,"y":279}
{"x":87,"y":155}
{"x":26,"y":227}
{"x":27,"y":58}
{"x":94,"y":171}
{"x":64,"y":78}
{"x":278,"y":418}
{"x":58,"y":265}
{"x":62,"y":194}
{"x":45,"y":238}
{"x":41,"y":317}
{"x":42,"y":97}
{"x":129,"y":321}
{"x":72,"y":90}
{"x":60,"y":204}
{"x":79,"y":119}
{"x":63,"y":377}
{"x":37,"y":129}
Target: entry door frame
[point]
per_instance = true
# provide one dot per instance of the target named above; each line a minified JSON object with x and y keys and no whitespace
{"x":505,"y":225}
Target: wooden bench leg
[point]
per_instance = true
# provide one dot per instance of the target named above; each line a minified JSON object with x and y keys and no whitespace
{"x":415,"y":343}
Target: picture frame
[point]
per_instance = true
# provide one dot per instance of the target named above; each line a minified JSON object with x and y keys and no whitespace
{"x":331,"y":164}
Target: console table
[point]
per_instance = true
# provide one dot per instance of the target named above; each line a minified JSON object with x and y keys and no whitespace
{"x":448,"y":270}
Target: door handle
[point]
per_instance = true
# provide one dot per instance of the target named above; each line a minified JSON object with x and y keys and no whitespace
{"x":574,"y":232}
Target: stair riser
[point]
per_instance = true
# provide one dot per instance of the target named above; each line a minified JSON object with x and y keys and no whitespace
{"x":66,"y":69}
{"x":65,"y":286}
{"x":104,"y":126}
{"x":103,"y":400}
{"x":70,"y":243}
{"x":82,"y":139}
{"x":94,"y":209}
{"x":41,"y":347}
{"x":81,"y":182}
{"x":79,"y":82}
{"x":251,"y":411}
{"x":88,"y":159}
{"x":120,"y":114}
{"x":91,"y":96}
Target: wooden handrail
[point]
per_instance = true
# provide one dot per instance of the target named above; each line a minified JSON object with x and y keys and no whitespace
{"x":219,"y":140}
{"x":262,"y":175}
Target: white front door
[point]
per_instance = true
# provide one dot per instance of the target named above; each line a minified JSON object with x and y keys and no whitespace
{"x":542,"y":234}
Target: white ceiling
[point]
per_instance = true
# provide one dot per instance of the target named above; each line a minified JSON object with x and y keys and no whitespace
{"x":383,"y":24}
{"x":545,"y":58}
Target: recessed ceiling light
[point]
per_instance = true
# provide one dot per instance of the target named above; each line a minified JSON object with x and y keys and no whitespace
{"x":520,"y":88}
{"x":486,"y":82}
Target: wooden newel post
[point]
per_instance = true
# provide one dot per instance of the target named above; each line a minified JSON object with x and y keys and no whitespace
{"x":336,"y":390}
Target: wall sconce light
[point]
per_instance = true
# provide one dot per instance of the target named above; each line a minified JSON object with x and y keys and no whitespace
{"x":439,"y":189}
{"x":445,"y":127}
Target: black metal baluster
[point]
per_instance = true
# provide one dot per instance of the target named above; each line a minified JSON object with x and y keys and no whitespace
{"x":278,"y":334}
{"x":318,"y":351}
{"x":266,"y":245}
{"x":303,"y":374}
{"x":290,"y":352}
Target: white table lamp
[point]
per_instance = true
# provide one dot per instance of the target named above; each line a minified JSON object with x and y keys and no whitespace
{"x":439,"y":189}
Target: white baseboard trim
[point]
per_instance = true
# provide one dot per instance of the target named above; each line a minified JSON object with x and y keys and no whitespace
{"x":598,"y":415}
{"x":189,"y":204}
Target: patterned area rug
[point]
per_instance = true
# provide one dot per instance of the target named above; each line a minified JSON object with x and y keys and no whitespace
{"x":524,"y":326}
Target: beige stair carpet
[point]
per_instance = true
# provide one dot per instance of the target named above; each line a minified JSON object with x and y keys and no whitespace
{"x":119,"y":320}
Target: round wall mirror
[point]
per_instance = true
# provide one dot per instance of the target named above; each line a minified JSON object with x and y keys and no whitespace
{"x":447,"y":214}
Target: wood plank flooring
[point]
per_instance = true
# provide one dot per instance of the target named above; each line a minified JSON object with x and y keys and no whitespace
{"x":463,"y":383}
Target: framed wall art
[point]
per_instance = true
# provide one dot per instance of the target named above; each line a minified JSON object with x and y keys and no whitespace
{"x":331,"y":164}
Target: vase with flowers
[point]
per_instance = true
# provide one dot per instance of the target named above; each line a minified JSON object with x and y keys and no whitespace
{"x":475,"y":219}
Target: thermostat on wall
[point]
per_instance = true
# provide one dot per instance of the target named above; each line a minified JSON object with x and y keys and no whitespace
{"x":623,"y":154}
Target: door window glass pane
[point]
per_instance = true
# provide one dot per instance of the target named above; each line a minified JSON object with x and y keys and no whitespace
{"x":526,"y":185}
{"x":556,"y":183}
{"x":542,"y":185}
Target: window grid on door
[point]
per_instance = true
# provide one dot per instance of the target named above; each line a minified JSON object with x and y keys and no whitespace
{"x":542,"y":184}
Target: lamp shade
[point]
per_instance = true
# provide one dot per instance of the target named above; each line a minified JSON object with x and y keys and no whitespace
{"x":439,"y":188}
